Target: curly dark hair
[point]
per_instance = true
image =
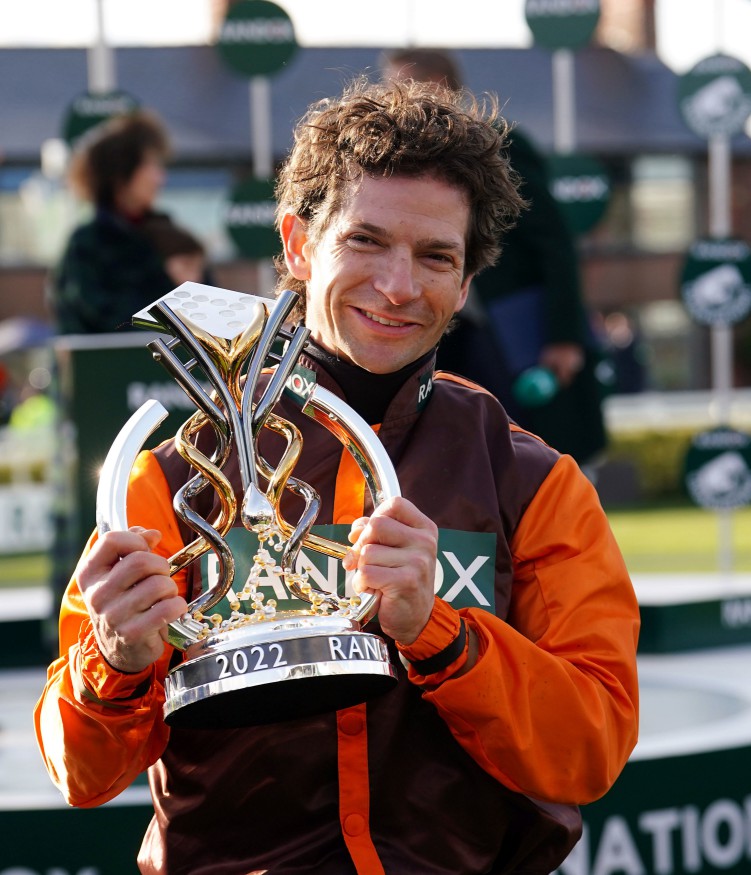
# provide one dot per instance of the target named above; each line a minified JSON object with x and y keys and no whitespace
{"x":107,"y":156}
{"x":402,"y":128}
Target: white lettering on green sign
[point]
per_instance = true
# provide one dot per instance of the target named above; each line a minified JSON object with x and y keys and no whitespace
{"x":724,"y":250}
{"x":736,"y":613}
{"x":259,"y":214}
{"x":106,"y":106}
{"x":678,"y":840}
{"x":424,"y":391}
{"x":300,"y":385}
{"x":722,"y":439}
{"x":258,"y":31}
{"x":573,"y":189}
{"x":464,"y":576}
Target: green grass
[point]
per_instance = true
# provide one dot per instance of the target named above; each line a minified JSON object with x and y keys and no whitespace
{"x":679,"y":538}
{"x":29,"y":570}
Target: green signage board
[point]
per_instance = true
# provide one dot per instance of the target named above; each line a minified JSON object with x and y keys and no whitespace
{"x":90,"y":109}
{"x":256,"y":38}
{"x":73,"y":841}
{"x":719,"y":621}
{"x":465,"y":571}
{"x":673,"y":815}
{"x":249,"y":218}
{"x":562,"y":24}
{"x":717,"y":469}
{"x":103,"y":380}
{"x":716,"y":281}
{"x":714,"y":97}
{"x":581,"y":186}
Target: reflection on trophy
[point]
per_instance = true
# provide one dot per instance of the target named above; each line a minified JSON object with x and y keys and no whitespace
{"x":246,"y":660}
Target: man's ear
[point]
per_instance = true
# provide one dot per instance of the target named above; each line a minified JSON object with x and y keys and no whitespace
{"x":294,"y":231}
{"x":466,"y":283}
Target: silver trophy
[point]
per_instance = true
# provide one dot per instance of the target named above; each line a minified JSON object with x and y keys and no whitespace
{"x":252,"y":663}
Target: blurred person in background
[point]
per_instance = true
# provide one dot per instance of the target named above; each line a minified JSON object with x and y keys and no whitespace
{"x":183,"y":253}
{"x":524,"y":334}
{"x":110,"y":268}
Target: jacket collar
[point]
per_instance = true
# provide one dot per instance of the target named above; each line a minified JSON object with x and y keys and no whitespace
{"x":407,"y":403}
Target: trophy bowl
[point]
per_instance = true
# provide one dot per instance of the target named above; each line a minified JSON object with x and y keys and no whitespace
{"x":245,"y":660}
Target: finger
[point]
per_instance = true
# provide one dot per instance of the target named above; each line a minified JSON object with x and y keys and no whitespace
{"x":151,"y":536}
{"x":147,"y":606}
{"x":356,"y":528}
{"x":403,"y":511}
{"x":113,"y":546}
{"x":146,"y":633}
{"x":147,"y":592}
{"x":349,"y":561}
{"x":396,"y":523}
{"x":104,"y":585}
{"x":388,"y":532}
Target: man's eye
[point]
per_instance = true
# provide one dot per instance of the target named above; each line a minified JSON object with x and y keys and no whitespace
{"x":361,"y":239}
{"x":440,"y":257}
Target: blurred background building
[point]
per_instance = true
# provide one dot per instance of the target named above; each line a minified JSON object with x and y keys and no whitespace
{"x":627,"y":117}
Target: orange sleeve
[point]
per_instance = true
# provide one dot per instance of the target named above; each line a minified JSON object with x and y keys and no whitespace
{"x":550,"y":709}
{"x":98,"y":728}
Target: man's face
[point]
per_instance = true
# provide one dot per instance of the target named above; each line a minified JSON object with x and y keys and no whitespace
{"x":387,"y":274}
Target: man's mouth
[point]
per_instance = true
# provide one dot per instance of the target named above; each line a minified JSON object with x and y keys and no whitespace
{"x":383,"y":321}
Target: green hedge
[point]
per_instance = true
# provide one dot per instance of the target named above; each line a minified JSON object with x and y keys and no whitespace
{"x":35,"y":472}
{"x":657,"y":457}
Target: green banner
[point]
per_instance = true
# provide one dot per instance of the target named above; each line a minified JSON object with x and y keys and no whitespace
{"x":256,"y":38}
{"x":717,"y":469}
{"x":714,"y":97}
{"x":71,"y":841}
{"x":103,"y":380}
{"x":90,"y":109}
{"x":716,"y":281}
{"x":679,"y":815}
{"x":465,"y":574}
{"x":562,"y":24}
{"x":250,"y":218}
{"x":581,"y":185}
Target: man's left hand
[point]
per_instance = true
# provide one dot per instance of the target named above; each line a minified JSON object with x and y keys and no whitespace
{"x":394,"y":554}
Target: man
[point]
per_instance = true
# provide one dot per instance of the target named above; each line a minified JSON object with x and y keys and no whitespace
{"x":509,"y":710}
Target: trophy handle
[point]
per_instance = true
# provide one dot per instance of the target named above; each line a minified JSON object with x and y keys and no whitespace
{"x":112,"y":492}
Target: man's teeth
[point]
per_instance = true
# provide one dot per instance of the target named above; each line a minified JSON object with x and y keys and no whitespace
{"x":384,"y":321}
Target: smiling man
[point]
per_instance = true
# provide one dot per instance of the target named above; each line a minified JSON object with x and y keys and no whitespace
{"x":503,"y":596}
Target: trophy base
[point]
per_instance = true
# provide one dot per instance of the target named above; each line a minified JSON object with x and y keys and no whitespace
{"x":272,"y":672}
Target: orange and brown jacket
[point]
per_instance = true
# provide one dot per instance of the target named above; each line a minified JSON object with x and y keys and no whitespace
{"x":476,"y":773}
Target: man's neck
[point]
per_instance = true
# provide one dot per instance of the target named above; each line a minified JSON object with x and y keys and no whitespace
{"x":367,"y":393}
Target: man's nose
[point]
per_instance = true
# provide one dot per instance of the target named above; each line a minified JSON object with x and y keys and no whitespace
{"x":397,"y":280}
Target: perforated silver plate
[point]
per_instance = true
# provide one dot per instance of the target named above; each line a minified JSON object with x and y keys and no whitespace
{"x":220,"y":312}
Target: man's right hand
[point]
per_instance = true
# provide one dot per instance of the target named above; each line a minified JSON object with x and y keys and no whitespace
{"x":130,"y":597}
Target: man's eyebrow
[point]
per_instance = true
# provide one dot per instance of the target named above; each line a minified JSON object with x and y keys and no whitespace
{"x":427,"y":243}
{"x":440,"y":243}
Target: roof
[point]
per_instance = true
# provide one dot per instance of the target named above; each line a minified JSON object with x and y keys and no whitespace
{"x":625,"y":104}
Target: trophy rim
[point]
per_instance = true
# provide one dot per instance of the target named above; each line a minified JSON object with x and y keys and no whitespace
{"x":300,"y":687}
